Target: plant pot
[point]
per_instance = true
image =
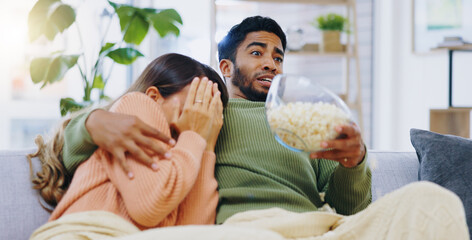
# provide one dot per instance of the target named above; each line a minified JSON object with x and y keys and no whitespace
{"x":331,"y":41}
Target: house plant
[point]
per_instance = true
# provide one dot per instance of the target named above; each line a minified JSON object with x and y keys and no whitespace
{"x":331,"y":26}
{"x":51,"y":18}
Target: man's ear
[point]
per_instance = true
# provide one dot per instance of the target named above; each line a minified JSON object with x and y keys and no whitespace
{"x":226,"y":68}
{"x":154,"y":93}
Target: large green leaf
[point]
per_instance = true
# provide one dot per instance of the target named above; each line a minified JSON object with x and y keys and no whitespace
{"x":53,"y":69}
{"x":37,"y":18}
{"x":134,"y":24}
{"x":49,"y":17}
{"x":137,"y":29}
{"x":166,"y":21}
{"x":125,"y":14}
{"x":70,"y":105}
{"x":146,"y":11}
{"x":124,"y":55}
{"x":172,"y":14}
{"x":62,"y":17}
{"x":38,"y":69}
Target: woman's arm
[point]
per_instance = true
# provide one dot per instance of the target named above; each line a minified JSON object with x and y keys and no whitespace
{"x":199,"y":207}
{"x":151,"y":195}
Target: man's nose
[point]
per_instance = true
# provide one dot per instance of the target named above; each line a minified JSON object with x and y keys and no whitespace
{"x":269,"y":64}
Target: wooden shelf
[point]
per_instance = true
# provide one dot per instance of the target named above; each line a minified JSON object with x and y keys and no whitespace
{"x":465,"y":47}
{"x":318,"y":2}
{"x":454,"y":121}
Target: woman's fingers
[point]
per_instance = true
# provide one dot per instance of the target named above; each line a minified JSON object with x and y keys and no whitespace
{"x":216,"y":106}
{"x":201,"y":92}
{"x":213,"y":104}
{"x":220,"y":105}
{"x":215,"y":88}
{"x":190,"y":101}
{"x":207,"y":96}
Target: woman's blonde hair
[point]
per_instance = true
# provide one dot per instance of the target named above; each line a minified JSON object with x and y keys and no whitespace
{"x":53,"y":179}
{"x":169,"y":73}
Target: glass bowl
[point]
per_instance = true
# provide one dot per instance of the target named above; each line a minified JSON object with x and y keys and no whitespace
{"x":302,"y":114}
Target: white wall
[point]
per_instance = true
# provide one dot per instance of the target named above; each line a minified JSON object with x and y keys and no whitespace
{"x":407,"y":85}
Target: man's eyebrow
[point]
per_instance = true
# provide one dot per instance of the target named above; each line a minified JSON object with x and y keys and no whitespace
{"x":256,"y":44}
{"x":277,"y":50}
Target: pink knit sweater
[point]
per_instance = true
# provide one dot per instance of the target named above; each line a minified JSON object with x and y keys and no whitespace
{"x":183,"y":190}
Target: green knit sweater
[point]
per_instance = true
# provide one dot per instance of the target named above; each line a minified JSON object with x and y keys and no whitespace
{"x":254,"y":171}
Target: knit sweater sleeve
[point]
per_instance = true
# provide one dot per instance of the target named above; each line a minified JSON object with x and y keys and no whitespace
{"x":152,"y":195}
{"x":78,"y":145}
{"x":200,"y":204}
{"x":349,"y":189}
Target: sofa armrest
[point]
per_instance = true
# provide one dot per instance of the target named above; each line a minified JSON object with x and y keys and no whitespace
{"x":21,"y":213}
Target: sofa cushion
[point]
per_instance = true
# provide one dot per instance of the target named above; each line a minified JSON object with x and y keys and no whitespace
{"x":447,"y":161}
{"x":21,"y":212}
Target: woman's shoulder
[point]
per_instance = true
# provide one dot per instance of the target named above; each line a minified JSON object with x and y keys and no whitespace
{"x":142,"y":106}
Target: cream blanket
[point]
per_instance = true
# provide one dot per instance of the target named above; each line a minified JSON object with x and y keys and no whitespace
{"x":274,"y":223}
{"x":417,"y":211}
{"x":84,"y":226}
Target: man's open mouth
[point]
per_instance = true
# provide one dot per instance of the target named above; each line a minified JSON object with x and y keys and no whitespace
{"x":265,"y":79}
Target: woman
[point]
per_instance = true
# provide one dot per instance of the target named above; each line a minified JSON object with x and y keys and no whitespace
{"x":173,"y":95}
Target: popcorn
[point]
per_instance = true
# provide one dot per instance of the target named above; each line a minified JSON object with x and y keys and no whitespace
{"x":304,"y":125}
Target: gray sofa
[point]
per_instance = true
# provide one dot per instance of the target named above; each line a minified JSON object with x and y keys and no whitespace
{"x":21,"y":212}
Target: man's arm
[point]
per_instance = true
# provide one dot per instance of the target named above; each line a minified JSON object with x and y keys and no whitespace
{"x":116,"y":133}
{"x":78,"y":145}
{"x":349,"y":189}
{"x":347,"y":185}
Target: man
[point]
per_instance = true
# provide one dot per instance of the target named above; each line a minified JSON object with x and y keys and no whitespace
{"x":254,"y":172}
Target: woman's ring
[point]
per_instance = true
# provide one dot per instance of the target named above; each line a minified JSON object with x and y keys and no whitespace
{"x":345,"y":159}
{"x":198,"y":101}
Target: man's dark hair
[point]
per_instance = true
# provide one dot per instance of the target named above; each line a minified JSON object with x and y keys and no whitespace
{"x":227,"y":47}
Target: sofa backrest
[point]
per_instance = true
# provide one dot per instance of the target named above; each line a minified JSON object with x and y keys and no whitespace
{"x":21,"y":212}
{"x":391,"y":170}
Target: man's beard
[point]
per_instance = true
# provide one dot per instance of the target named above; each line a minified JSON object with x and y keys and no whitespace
{"x":242,"y":81}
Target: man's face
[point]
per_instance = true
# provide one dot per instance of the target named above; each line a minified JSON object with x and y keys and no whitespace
{"x":258,"y":59}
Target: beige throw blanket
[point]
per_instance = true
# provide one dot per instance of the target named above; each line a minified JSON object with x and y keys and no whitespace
{"x":417,"y":211}
{"x":90,"y":225}
{"x":274,"y":223}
